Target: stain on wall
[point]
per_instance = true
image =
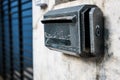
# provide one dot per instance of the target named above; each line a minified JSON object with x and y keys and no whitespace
{"x":53,"y":65}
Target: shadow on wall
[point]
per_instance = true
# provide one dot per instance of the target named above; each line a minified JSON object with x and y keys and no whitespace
{"x":107,"y":36}
{"x":100,"y":73}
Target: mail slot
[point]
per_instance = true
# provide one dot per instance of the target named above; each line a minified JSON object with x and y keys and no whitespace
{"x":77,"y":30}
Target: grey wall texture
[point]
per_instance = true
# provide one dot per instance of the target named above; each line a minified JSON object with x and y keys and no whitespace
{"x":53,"y":65}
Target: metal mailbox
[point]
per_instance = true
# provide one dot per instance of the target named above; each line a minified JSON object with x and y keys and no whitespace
{"x":75,"y":30}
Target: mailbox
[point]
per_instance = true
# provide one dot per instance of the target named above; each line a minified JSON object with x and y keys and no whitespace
{"x":75,"y":30}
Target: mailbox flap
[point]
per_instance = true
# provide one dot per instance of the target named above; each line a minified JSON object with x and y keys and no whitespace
{"x":65,"y":19}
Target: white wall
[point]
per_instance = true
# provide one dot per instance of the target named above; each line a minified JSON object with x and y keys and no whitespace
{"x":53,"y":65}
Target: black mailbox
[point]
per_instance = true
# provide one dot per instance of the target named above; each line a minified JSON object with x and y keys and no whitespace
{"x":75,"y":30}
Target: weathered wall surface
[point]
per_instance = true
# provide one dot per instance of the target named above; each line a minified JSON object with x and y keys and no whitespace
{"x":53,"y":65}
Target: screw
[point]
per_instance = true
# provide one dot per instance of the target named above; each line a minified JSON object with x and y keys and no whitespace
{"x":98,"y":31}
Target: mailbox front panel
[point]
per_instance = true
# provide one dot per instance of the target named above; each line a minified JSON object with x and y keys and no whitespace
{"x":62,"y":32}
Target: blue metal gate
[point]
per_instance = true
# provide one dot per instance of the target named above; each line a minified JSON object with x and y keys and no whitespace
{"x":16,"y":39}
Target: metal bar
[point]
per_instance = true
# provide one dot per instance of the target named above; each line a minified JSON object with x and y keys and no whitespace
{"x":10,"y":41}
{"x":28,"y":16}
{"x":14,"y":6}
{"x":25,"y":50}
{"x":3,"y":44}
{"x":27,"y":9}
{"x":13,"y":1}
{"x":26,"y":2}
{"x":21,"y":39}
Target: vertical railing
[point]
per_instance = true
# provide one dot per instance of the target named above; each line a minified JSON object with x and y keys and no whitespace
{"x":16,"y":38}
{"x":20,"y":38}
{"x":10,"y":41}
{"x":3,"y":41}
{"x":1,"y":48}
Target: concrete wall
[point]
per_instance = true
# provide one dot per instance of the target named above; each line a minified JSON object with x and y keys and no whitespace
{"x":53,"y":65}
